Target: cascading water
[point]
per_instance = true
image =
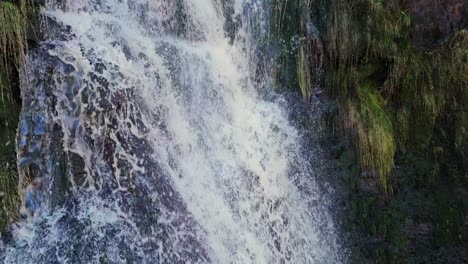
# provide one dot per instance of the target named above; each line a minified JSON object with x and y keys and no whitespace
{"x":144,"y":138}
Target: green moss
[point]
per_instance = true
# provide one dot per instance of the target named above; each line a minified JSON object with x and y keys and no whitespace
{"x":377,"y":147}
{"x":13,"y":23}
{"x":405,"y":105}
{"x":9,"y":195}
{"x":369,"y":127}
{"x":12,"y":35}
{"x":284,"y":29}
{"x":371,"y":44}
{"x":9,"y":200}
{"x":289,"y":37}
{"x":303,"y":73}
{"x":461,"y":134}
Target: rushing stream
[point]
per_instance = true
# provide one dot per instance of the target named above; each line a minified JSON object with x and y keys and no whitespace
{"x":150,"y":134}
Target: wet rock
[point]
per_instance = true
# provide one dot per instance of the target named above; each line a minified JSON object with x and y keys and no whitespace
{"x":418,"y":231}
{"x":374,"y":243}
{"x":232,"y":23}
{"x":80,"y":165}
{"x":434,"y":20}
{"x":33,"y":198}
{"x":368,"y":183}
{"x":315,"y":52}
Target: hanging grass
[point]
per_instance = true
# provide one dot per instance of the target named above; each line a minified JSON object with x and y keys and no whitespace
{"x":403,"y":110}
{"x":370,"y":128}
{"x":13,"y":30}
{"x":303,"y":73}
{"x":9,"y":192}
{"x":377,"y":148}
{"x":372,"y":61}
{"x":13,"y":21}
{"x":283,"y":37}
{"x":12,"y":43}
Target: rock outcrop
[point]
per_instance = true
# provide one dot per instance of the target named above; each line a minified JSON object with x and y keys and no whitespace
{"x":434,"y":20}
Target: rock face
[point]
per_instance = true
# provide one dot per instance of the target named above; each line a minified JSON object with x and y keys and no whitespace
{"x":135,"y":142}
{"x":415,"y":225}
{"x":55,"y":91}
{"x":433,"y":20}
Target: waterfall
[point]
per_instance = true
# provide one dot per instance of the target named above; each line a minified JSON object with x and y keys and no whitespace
{"x":147,"y":136}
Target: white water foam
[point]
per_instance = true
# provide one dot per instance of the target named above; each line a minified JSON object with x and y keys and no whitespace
{"x":231,"y":156}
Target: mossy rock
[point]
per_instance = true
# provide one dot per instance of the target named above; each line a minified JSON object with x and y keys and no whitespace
{"x":9,"y":195}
